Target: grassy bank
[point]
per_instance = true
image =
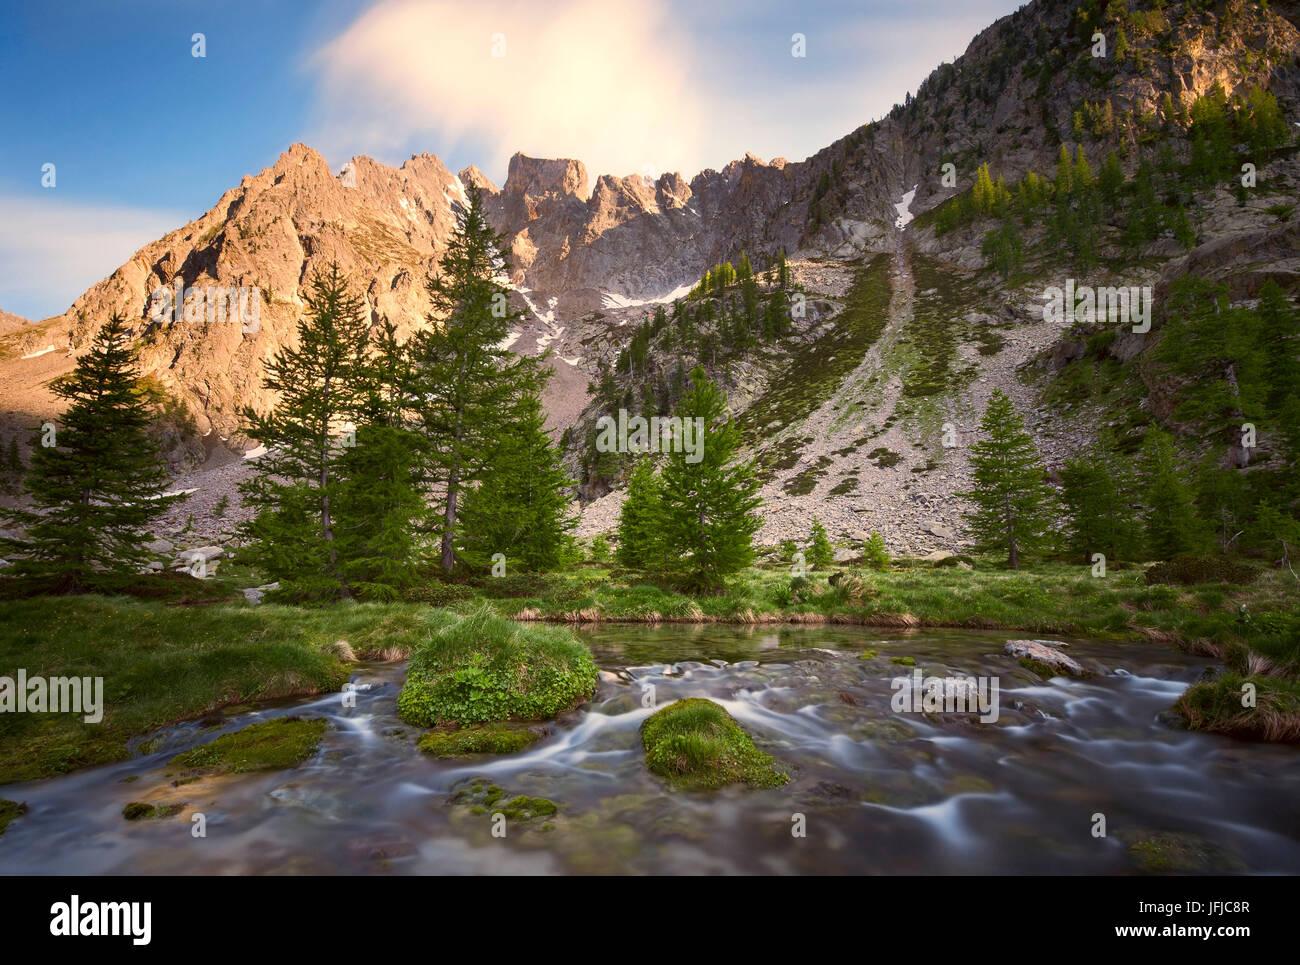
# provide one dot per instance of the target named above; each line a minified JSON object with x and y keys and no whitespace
{"x":1218,"y":619}
{"x":162,"y":662}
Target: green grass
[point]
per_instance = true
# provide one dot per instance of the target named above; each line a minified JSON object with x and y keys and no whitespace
{"x":697,"y":746}
{"x":140,"y":811}
{"x":270,"y":745}
{"x":162,"y":664}
{"x":491,"y":739}
{"x":1048,"y":598}
{"x":1217,"y":706}
{"x":481,"y":667}
{"x":817,"y":370}
{"x":9,"y":810}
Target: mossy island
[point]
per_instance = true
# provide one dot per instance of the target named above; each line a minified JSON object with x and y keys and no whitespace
{"x":481,"y":668}
{"x":697,"y":746}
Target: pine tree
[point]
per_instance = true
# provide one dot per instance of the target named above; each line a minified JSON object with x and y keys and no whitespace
{"x":520,"y":509}
{"x":101,"y":482}
{"x":381,"y":511}
{"x":1279,"y":333}
{"x":1172,"y":526}
{"x":782,"y":270}
{"x":1095,"y":492}
{"x":1216,"y":350}
{"x":706,"y":511}
{"x":1012,"y":502}
{"x":820,"y":552}
{"x":321,"y":386}
{"x":638,"y":520}
{"x":468,"y":383}
{"x":1111,"y":179}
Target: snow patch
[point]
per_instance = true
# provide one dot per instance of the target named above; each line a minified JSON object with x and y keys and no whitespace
{"x":509,"y":340}
{"x":254,"y":453}
{"x":36,"y":355}
{"x":612,"y":300}
{"x":903,"y":208}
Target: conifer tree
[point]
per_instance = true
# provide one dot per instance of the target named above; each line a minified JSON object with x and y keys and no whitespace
{"x":321,"y":385}
{"x":468,"y":384}
{"x":638,"y":520}
{"x":820,"y":553}
{"x":101,"y":482}
{"x":520,"y":509}
{"x":1111,"y":179}
{"x":706,"y":509}
{"x":1172,"y":526}
{"x":1279,"y":333}
{"x":1095,"y":492}
{"x":1012,"y":501}
{"x":1215,"y":349}
{"x":382,"y":514}
{"x":782,"y":270}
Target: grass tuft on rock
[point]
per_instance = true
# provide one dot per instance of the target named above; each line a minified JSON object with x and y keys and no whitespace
{"x":271,"y":745}
{"x":1216,"y":706}
{"x":8,"y":811}
{"x":140,"y":811}
{"x":697,"y":746}
{"x":477,"y":740}
{"x":481,"y":668}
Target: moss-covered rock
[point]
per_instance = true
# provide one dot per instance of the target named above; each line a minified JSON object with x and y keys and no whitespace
{"x":482,"y":668}
{"x":487,"y":739}
{"x":271,"y":745}
{"x":1037,"y":667}
{"x":482,"y":798}
{"x":8,"y":811}
{"x":141,"y":811}
{"x":696,"y":745}
{"x":1175,"y":852}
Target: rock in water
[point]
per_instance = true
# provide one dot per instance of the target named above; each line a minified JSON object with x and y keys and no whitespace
{"x":1045,"y":652}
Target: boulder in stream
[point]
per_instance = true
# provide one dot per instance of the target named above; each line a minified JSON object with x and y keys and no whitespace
{"x":1045,"y":652}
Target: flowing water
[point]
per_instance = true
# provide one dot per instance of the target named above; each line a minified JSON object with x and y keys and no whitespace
{"x":873,"y":790}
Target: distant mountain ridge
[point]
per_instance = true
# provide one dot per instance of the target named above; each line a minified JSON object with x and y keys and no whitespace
{"x":584,"y":255}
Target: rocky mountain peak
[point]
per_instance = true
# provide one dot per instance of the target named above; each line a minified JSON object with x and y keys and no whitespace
{"x":541,"y":178}
{"x":472,"y":175}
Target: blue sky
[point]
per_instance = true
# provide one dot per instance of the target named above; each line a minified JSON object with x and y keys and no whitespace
{"x":145,"y":136}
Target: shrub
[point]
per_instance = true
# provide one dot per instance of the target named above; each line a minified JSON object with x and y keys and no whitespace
{"x":437,"y":593}
{"x":1188,"y":570}
{"x":874,"y":553}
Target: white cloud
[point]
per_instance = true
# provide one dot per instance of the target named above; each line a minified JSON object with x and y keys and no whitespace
{"x":606,"y":81}
{"x":619,"y":84}
{"x":52,"y":250}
